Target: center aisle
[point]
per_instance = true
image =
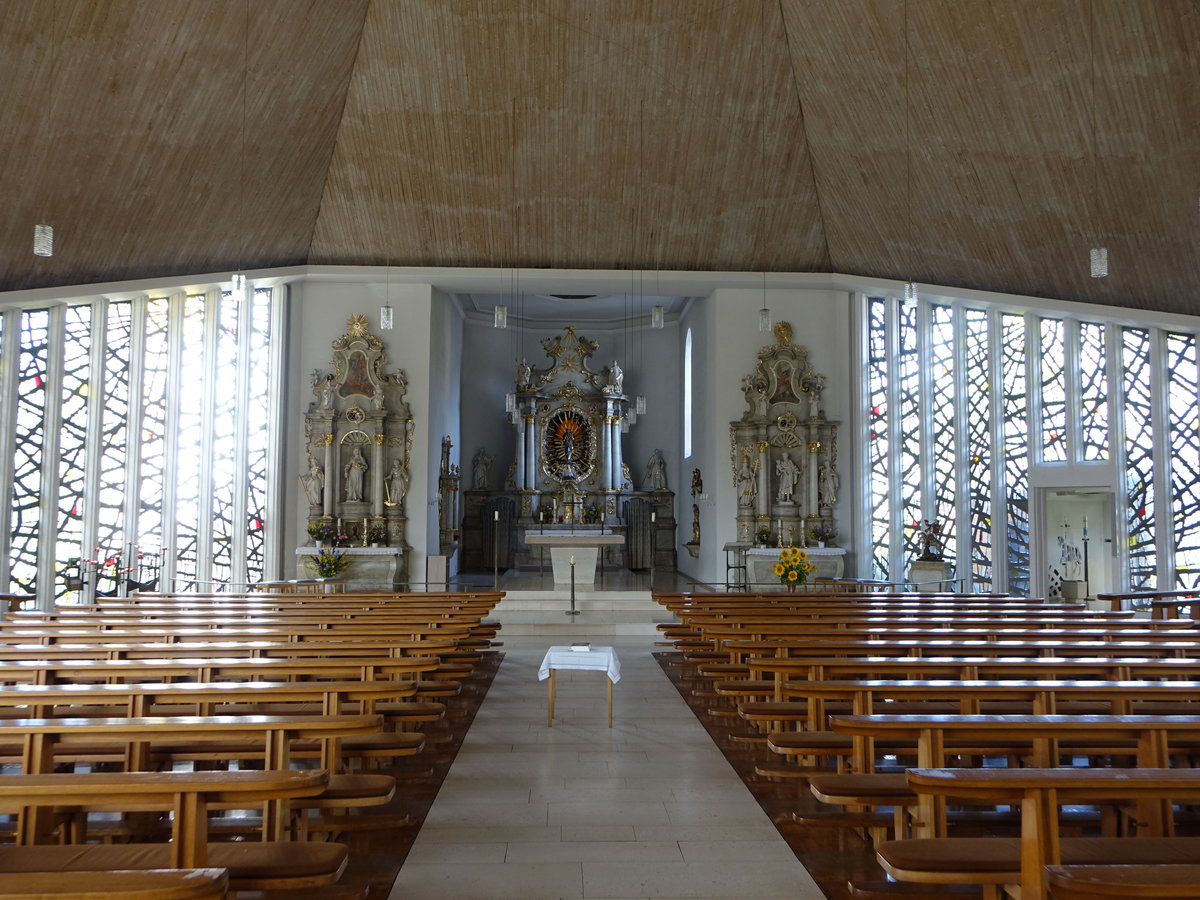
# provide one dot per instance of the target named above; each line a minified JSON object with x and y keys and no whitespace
{"x":648,"y":809}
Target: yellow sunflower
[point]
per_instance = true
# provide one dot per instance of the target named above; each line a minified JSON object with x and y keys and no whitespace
{"x":779,"y":568}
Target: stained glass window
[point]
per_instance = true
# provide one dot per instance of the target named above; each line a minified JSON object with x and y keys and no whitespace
{"x":1183,"y":428}
{"x":1138,"y":445}
{"x":879,"y":481}
{"x":977,"y":366}
{"x":1054,"y":391}
{"x":1015,"y":447}
{"x":943,"y":443}
{"x":161,"y":428}
{"x":1093,"y":392}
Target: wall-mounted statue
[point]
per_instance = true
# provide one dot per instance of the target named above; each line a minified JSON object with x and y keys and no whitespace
{"x":396,"y":483}
{"x":481,"y":467}
{"x":788,"y":472}
{"x":656,"y":472}
{"x":355,"y":473}
{"x":313,"y":483}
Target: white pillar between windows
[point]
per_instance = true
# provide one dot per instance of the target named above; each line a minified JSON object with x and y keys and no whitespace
{"x":50,"y":462}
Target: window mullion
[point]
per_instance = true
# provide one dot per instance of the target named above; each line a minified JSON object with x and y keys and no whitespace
{"x":1117,"y":450}
{"x":964,"y":534}
{"x":1160,"y":425}
{"x":93,"y":440}
{"x":1074,"y":398}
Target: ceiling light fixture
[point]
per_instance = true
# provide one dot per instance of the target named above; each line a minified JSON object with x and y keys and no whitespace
{"x":1099,"y":255}
{"x":43,"y":235}
{"x":910,"y":286}
{"x":657,"y":317}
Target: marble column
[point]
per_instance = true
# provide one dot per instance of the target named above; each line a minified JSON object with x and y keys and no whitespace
{"x":531,"y":455}
{"x":814,"y":456}
{"x":519,"y":465}
{"x":764,"y":480}
{"x":617,"y":458}
{"x":606,"y":457}
{"x":331,"y":477}
{"x":377,"y":477}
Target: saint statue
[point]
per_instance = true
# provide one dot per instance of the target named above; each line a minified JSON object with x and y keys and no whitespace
{"x":482,"y":466}
{"x":747,"y":482}
{"x":656,"y":473}
{"x":446,"y":445}
{"x":616,"y":378}
{"x":524,"y":374}
{"x":827,"y":480}
{"x":356,"y":475}
{"x":313,"y":483}
{"x":788,"y":472}
{"x":626,"y":477}
{"x":327,"y":392}
{"x":397,"y":482}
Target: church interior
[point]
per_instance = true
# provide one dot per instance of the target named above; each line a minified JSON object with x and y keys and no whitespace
{"x":390,"y":388}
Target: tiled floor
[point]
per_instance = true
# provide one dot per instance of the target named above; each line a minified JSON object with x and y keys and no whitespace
{"x":648,"y":809}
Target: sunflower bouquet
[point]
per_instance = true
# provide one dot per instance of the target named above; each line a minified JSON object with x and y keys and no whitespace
{"x":793,"y":567}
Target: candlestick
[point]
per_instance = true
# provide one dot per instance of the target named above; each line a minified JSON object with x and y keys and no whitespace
{"x":496,"y":515}
{"x":571,"y":560}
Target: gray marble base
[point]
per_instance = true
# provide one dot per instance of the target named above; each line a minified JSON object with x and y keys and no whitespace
{"x":371,"y":568}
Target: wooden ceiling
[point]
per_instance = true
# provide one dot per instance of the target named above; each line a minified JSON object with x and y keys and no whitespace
{"x":976,"y":143}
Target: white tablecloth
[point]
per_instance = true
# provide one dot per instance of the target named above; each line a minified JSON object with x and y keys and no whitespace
{"x":596,"y":659}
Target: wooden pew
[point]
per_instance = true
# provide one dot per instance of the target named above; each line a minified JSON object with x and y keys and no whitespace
{"x":267,"y":865}
{"x":1164,"y":882}
{"x":151,"y":884}
{"x":1040,"y":793}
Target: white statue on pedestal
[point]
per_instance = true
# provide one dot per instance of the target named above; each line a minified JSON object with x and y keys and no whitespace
{"x":788,"y":472}
{"x":828,"y":480}
{"x":397,"y":482}
{"x":747,"y":482}
{"x":356,"y":475}
{"x":482,"y":466}
{"x":313,"y":483}
{"x":656,"y":473}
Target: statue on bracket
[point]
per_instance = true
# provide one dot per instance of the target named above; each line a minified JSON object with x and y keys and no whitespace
{"x":355,"y":473}
{"x":656,"y":472}
{"x":788,"y":472}
{"x":481,"y":468}
{"x":313,"y":483}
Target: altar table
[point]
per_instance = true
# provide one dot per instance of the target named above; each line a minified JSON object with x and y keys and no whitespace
{"x":595,"y":659}
{"x":584,"y":547}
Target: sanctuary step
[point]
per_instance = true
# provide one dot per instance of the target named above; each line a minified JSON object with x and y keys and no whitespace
{"x":544,"y":612}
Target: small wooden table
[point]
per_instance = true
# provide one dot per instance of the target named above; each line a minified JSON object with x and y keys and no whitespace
{"x":595,"y":659}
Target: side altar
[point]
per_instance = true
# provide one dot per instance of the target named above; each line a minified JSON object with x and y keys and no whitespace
{"x":784,"y":453}
{"x":358,"y":434}
{"x":568,"y":469}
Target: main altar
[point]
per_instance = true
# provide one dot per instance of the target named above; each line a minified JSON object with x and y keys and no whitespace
{"x":568,"y":471}
{"x":358,"y":434}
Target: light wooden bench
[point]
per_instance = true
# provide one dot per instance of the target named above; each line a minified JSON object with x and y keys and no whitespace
{"x":1165,"y":882}
{"x":264,"y":865}
{"x":152,"y":884}
{"x":1040,"y":793}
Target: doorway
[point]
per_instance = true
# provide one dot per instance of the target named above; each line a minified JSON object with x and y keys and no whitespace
{"x":1078,"y":553}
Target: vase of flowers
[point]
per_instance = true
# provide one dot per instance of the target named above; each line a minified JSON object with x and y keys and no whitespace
{"x":320,"y":532}
{"x":822,"y":534}
{"x":328,"y":563}
{"x":793,"y":567}
{"x":377,"y":537}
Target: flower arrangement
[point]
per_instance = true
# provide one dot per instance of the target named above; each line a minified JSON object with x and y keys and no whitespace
{"x":822,"y":533}
{"x":793,"y":567}
{"x":328,"y":563}
{"x":377,"y":535}
{"x":763,"y":536}
{"x":320,"y":530}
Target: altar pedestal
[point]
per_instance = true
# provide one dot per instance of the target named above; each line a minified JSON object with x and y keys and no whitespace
{"x":760,"y":565}
{"x":583,"y":546}
{"x":931,"y":575}
{"x":371,"y":568}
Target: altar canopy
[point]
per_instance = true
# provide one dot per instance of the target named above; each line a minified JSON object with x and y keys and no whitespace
{"x":358,"y":439}
{"x":568,"y":466}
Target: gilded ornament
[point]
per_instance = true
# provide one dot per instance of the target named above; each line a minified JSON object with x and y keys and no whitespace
{"x":328,"y":440}
{"x":783,"y":333}
{"x":357,"y":325}
{"x":814,"y":446}
{"x":379,"y":440}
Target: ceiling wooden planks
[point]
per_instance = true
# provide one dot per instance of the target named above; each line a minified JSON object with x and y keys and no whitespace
{"x":748,"y":135}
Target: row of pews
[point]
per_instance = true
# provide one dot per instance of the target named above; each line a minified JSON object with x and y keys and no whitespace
{"x":1022,"y":748}
{"x":187,"y":747}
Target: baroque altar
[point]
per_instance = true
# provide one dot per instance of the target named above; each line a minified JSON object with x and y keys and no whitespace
{"x":568,"y":468}
{"x":784,"y":451}
{"x":358,"y":439}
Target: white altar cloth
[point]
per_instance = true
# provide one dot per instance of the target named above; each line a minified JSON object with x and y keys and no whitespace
{"x":596,"y":659}
{"x":760,"y":563}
